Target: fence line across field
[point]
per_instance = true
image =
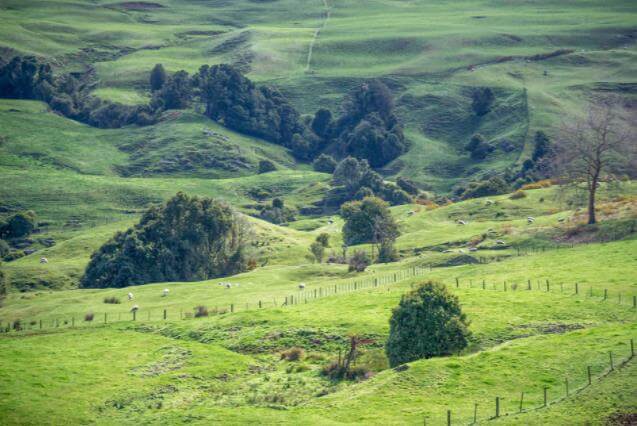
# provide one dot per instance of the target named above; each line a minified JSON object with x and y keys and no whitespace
{"x":306,"y":295}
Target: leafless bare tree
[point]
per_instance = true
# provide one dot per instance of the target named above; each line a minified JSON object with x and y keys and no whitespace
{"x":596,"y":148}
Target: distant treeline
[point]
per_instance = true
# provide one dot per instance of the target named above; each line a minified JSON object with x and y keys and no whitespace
{"x":367,"y":127}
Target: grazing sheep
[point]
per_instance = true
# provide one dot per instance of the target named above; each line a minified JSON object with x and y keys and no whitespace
{"x":330,"y":221}
{"x":561,"y":219}
{"x":461,"y":222}
{"x":228,"y":285}
{"x":410,"y":213}
{"x":499,"y":242}
{"x":44,"y":260}
{"x":135,"y":308}
{"x":165,"y":292}
{"x":530,"y":219}
{"x":302,"y":286}
{"x":461,"y":251}
{"x":473,"y":249}
{"x":447,"y":251}
{"x":488,"y":202}
{"x":130,"y":296}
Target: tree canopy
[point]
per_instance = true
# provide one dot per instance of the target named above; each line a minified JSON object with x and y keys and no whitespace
{"x":368,"y":221}
{"x":427,"y":322}
{"x":186,"y":239}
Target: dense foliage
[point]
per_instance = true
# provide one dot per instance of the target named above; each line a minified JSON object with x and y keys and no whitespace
{"x":478,"y":147}
{"x":28,"y":78}
{"x":354,"y":180}
{"x":324,"y":163}
{"x":277,"y":212}
{"x":368,"y":128}
{"x":157,"y":77}
{"x":368,"y":221}
{"x":18,"y":225}
{"x":428,"y":322}
{"x":482,"y":101}
{"x":493,"y":186}
{"x":186,"y":239}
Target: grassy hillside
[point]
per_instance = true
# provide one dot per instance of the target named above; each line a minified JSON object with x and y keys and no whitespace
{"x":431,"y":55}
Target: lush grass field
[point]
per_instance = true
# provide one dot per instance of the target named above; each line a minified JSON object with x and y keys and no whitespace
{"x":86,"y":184}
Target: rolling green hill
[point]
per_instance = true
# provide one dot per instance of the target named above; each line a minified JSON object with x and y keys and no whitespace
{"x":547,"y":297}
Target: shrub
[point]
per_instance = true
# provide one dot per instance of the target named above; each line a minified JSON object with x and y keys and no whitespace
{"x":19,"y":225}
{"x":359,"y":261}
{"x":518,"y":195}
{"x":293,"y":354}
{"x":266,"y":166}
{"x":89,"y":316}
{"x":201,"y":311}
{"x":324,"y":239}
{"x":324,"y":163}
{"x":428,"y":322}
{"x":4,"y":248}
{"x":17,"y":325}
{"x":368,"y":221}
{"x":318,"y":251}
{"x":407,"y":185}
{"x":493,"y":186}
{"x":112,"y":300}
{"x":545,"y":183}
{"x":482,"y":100}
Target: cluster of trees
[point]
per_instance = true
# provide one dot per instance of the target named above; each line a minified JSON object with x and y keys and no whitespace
{"x":317,"y":248}
{"x":186,"y":239}
{"x":370,"y":221}
{"x":354,"y":179}
{"x":428,"y":322}
{"x":29,"y":78}
{"x":478,"y":147}
{"x":18,"y":225}
{"x":367,"y":128}
{"x":483,"y":99}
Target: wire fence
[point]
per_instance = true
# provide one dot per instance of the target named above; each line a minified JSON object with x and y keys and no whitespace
{"x":308,"y":295}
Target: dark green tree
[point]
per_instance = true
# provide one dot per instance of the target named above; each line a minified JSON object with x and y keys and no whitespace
{"x":157,"y":77}
{"x":482,"y":101}
{"x":318,"y":251}
{"x":324,"y":239}
{"x":541,"y":145}
{"x":428,"y":322}
{"x":266,"y":166}
{"x":18,"y":225}
{"x":186,"y":239}
{"x":324,"y":163}
{"x":321,"y":122}
{"x":368,"y":221}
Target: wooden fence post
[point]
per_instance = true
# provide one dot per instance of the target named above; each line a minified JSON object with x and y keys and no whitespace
{"x":497,"y":406}
{"x":566,"y":384}
{"x":545,"y":395}
{"x":259,"y":304}
{"x":521,"y":401}
{"x":588,"y":372}
{"x":576,"y":288}
{"x":165,"y":314}
{"x":528,"y":286}
{"x":610,"y":354}
{"x":448,"y":417}
{"x":632,"y":348}
{"x":605,"y":293}
{"x":484,"y":285}
{"x":457,"y":283}
{"x":232,"y":305}
{"x":634,"y":301}
{"x":105,"y":317}
{"x":134,"y":315}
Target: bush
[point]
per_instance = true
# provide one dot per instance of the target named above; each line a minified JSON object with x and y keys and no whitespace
{"x":4,"y":248}
{"x":293,"y":354}
{"x":368,"y":221}
{"x":17,"y":325}
{"x":112,"y":300}
{"x":324,"y":163}
{"x":428,"y":322}
{"x":518,"y":195}
{"x":482,"y":100}
{"x":359,"y":261}
{"x":493,"y":186}
{"x":324,"y":239}
{"x":266,"y":166}
{"x":89,"y":316}
{"x":19,"y":225}
{"x":407,"y":185}
{"x":318,"y":251}
{"x":545,"y":183}
{"x":186,"y":239}
{"x":201,"y":311}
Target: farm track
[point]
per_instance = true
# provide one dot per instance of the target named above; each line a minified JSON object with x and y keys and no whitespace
{"x":327,"y":12}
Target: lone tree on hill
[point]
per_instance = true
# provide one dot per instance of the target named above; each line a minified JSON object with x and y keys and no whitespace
{"x":186,"y":239}
{"x":596,"y":148}
{"x":428,"y":322}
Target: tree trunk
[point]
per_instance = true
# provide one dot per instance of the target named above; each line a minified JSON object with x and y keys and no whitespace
{"x":591,"y":202}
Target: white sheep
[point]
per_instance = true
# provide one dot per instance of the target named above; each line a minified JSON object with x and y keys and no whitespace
{"x":473,"y":249}
{"x":447,"y":251}
{"x":44,"y":260}
{"x":165,"y":292}
{"x":561,"y":219}
{"x":302,"y":286}
{"x":228,"y":285}
{"x":130,"y":296}
{"x":461,"y":251}
{"x":461,"y":222}
{"x":410,"y":213}
{"x":135,"y":308}
{"x":488,"y":202}
{"x":499,"y":242}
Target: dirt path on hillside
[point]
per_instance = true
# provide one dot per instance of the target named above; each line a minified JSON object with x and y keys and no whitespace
{"x":326,"y":17}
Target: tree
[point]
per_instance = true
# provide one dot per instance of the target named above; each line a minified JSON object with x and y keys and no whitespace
{"x":541,"y":145}
{"x":157,"y":77}
{"x":175,"y":93}
{"x":407,"y":185}
{"x":186,"y":239}
{"x":482,"y":100}
{"x":4,"y":284}
{"x":479,"y":147}
{"x":324,"y":239}
{"x":266,"y":166}
{"x":318,"y":251}
{"x":359,"y":261}
{"x":593,"y":149}
{"x":368,"y":221}
{"x":324,"y":163}
{"x":427,"y":322}
{"x":19,"y":225}
{"x":321,"y":122}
